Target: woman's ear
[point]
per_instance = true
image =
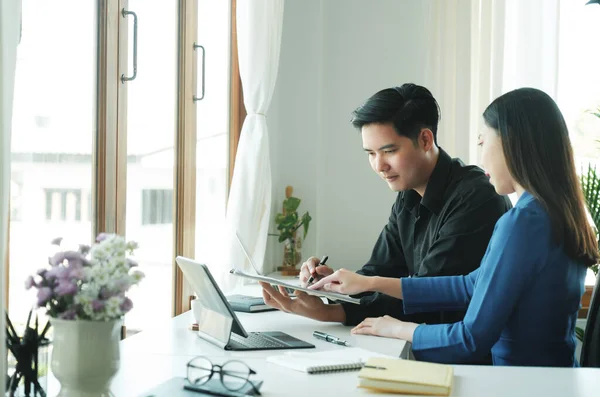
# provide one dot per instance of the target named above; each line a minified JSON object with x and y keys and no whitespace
{"x":426,"y":140}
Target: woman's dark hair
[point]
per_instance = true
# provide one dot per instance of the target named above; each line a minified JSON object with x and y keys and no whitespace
{"x":409,"y":108}
{"x":538,"y":153}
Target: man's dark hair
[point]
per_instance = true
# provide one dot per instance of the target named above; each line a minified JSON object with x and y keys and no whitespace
{"x":408,"y":108}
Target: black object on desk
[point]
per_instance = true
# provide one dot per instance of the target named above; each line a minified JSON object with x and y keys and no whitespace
{"x":25,"y":350}
{"x":248,"y":304}
{"x":180,"y":387}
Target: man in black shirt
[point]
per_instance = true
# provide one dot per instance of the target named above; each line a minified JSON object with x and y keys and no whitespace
{"x":440,"y":224}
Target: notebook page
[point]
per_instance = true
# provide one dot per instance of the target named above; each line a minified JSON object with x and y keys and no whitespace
{"x":331,"y":360}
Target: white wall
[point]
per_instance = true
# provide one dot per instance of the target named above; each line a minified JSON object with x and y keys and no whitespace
{"x":334,"y":55}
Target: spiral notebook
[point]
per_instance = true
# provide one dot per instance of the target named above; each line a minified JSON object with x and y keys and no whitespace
{"x":345,"y":359}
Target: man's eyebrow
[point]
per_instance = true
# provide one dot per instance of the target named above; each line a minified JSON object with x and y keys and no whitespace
{"x":388,"y":146}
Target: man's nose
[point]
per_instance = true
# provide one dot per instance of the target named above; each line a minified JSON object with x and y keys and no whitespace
{"x":381,"y":165}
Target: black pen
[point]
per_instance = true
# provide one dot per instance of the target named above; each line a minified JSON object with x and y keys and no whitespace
{"x":312,"y":277}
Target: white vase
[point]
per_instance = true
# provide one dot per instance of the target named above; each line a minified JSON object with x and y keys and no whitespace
{"x":85,"y":356}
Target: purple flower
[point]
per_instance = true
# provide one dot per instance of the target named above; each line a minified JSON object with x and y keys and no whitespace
{"x":98,"y":305}
{"x":76,"y":273}
{"x":57,"y":259}
{"x":65,"y":287}
{"x":75,"y":258}
{"x":29,"y":282}
{"x":101,"y":237}
{"x":56,"y":241}
{"x":44,"y":294}
{"x":42,"y":272}
{"x":126,"y":305}
{"x":84,"y":249}
{"x":58,"y":272}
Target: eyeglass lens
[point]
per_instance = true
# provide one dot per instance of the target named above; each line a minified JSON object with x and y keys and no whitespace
{"x":235,"y":374}
{"x":199,"y":370}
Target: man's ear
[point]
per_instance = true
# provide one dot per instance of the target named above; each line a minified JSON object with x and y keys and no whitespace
{"x":426,"y":140}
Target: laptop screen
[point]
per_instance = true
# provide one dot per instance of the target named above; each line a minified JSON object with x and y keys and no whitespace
{"x":209,"y":293}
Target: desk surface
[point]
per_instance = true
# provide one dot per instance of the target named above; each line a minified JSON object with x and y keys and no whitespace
{"x":151,"y":358}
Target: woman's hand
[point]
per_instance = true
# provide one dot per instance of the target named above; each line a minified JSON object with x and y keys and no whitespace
{"x":344,"y":282}
{"x":386,"y":326}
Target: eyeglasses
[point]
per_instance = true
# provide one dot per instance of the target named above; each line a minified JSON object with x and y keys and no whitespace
{"x":233,"y":374}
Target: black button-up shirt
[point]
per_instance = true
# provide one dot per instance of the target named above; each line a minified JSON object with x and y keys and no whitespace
{"x":445,"y":233}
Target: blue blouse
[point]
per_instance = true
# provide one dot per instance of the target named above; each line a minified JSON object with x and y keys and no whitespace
{"x":521,"y":303}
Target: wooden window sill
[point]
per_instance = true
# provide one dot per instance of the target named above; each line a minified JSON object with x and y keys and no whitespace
{"x":585,"y":301}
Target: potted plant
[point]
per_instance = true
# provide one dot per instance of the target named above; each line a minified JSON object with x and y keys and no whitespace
{"x":288,"y":222}
{"x":590,"y":184}
{"x":84,"y":293}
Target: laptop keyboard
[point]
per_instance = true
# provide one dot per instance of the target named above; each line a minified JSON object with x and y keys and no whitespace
{"x":257,"y":340}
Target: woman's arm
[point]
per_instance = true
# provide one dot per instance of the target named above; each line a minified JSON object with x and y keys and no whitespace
{"x":419,"y":293}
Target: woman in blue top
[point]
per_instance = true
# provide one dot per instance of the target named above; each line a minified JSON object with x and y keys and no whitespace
{"x":522,"y":302}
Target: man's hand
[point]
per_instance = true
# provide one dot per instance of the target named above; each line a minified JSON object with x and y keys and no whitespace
{"x":386,"y":326}
{"x":310,"y":267}
{"x":304,"y":305}
{"x":344,"y":282}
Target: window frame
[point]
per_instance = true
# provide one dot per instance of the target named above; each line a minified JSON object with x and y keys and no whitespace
{"x":109,"y":152}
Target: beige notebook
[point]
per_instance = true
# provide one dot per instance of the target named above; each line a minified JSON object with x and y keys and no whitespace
{"x":345,"y":359}
{"x":405,"y":376}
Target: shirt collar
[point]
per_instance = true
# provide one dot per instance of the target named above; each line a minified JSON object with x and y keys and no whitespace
{"x":525,"y":199}
{"x":436,"y":186}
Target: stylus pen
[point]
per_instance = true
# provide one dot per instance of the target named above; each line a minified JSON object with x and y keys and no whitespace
{"x":330,"y":338}
{"x":312,"y":277}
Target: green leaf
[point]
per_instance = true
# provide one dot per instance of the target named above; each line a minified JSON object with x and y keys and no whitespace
{"x":279,"y":218}
{"x":306,"y":221}
{"x":579,"y":333}
{"x":284,"y":236}
{"x":291,"y":204}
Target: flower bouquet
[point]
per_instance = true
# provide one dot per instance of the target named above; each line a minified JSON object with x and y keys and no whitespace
{"x":88,"y":283}
{"x":84,"y":293}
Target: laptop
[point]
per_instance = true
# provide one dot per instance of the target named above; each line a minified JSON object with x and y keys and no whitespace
{"x":218,"y":322}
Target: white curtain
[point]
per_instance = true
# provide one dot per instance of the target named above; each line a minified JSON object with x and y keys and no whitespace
{"x":487,"y":63}
{"x":480,"y":49}
{"x":531,"y":45}
{"x":259,"y":24}
{"x":10,"y":16}
{"x":447,"y":70}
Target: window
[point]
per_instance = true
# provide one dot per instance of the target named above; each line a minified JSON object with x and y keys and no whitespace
{"x":16,"y":194}
{"x":63,"y":205}
{"x":578,"y":82}
{"x":52,"y":137}
{"x":91,"y":153}
{"x":157,"y":206}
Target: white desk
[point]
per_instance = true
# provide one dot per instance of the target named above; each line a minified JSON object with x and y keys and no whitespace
{"x":151,"y":358}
